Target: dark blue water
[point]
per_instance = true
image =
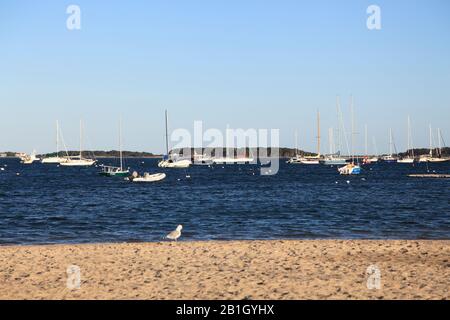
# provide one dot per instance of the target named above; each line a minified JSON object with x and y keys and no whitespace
{"x":48,"y":204}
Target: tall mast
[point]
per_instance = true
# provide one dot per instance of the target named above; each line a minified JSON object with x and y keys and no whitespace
{"x":390,"y":142}
{"x":338,"y":131}
{"x":330,"y":139}
{"x":318,"y":133}
{"x":167,"y":135}
{"x":120,"y":144}
{"x":81,"y":136}
{"x":296,"y":142}
{"x":410,"y":149}
{"x":353,"y":129}
{"x":431,"y":143}
{"x":57,"y":138}
{"x":365,"y":139}
{"x":375,"y":146}
{"x":439,"y":141}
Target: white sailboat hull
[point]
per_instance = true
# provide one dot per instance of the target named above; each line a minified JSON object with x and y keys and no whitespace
{"x":28,"y":161}
{"x":77,"y":163}
{"x":232,"y":160}
{"x":310,"y":162}
{"x":55,"y":160}
{"x":434,"y":160}
{"x":409,"y":160}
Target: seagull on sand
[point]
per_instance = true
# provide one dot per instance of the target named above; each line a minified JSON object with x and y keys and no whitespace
{"x":175,"y":234}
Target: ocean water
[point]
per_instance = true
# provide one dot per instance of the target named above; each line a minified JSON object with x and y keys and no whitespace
{"x":50,"y":204}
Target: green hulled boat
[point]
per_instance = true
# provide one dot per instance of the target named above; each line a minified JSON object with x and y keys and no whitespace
{"x":111,"y":171}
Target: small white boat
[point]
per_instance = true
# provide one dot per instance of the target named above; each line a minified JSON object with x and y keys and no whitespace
{"x":350,"y":169}
{"x":295,"y":160}
{"x":146,"y":177}
{"x":174,"y":163}
{"x":29,"y":159}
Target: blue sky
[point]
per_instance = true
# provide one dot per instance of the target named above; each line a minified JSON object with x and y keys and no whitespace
{"x":247,"y":64}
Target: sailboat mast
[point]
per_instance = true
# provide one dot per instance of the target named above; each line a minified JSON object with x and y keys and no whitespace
{"x":439,"y":141}
{"x":390,"y":142}
{"x":375,"y":145}
{"x":57,"y":138}
{"x":81,"y":136}
{"x":431,"y":142}
{"x":338,"y":131}
{"x":318,"y":133}
{"x":365,"y":139}
{"x":411,"y":144}
{"x":330,"y":139}
{"x":296,"y":142}
{"x":353,"y":129}
{"x":409,"y":151}
{"x":120,"y":144}
{"x":167,"y":135}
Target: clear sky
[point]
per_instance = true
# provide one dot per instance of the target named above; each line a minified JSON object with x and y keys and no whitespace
{"x":246,"y":63}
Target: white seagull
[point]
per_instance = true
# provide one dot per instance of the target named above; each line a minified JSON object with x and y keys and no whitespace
{"x":174,"y":235}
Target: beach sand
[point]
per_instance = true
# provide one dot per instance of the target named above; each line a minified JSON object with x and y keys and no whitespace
{"x":311,"y":269}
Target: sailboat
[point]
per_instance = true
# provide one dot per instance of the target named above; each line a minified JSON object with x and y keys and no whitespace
{"x":169,"y":160}
{"x":410,"y":150}
{"x":29,"y":159}
{"x":57,"y":159}
{"x":351,"y":168}
{"x":375,"y":157}
{"x":112,"y":171}
{"x":439,"y":157}
{"x":295,"y":159}
{"x":78,"y":161}
{"x":314,"y":159}
{"x":390,"y":158}
{"x":366,"y":159}
{"x":335,"y":158}
{"x":202,"y":159}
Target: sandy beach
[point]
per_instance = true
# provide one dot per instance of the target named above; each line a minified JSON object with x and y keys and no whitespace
{"x":312,"y":269}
